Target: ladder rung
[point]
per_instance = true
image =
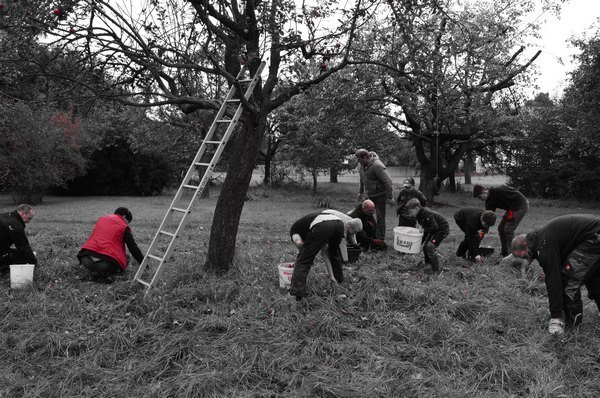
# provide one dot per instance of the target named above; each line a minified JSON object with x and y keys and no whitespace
{"x":155,"y":257}
{"x":233,"y":100}
{"x":224,"y":120}
{"x":190,"y":186}
{"x":245,"y":81}
{"x":167,"y":233}
{"x":180,"y":210}
{"x":212,"y":142}
{"x":143,"y":282}
{"x":201,"y":164}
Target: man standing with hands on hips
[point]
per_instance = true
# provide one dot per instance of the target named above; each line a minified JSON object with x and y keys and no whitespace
{"x":377,"y":184}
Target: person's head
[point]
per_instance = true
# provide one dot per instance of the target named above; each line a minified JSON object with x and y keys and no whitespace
{"x":409,"y":183}
{"x":519,"y":247}
{"x":363,"y":157}
{"x":480,"y":192}
{"x":125,"y":213}
{"x":488,"y":218}
{"x":413,"y":206}
{"x":26,"y":212}
{"x":353,"y":226}
{"x":368,"y":207}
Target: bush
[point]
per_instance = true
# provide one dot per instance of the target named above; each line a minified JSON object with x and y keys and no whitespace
{"x":37,"y":151}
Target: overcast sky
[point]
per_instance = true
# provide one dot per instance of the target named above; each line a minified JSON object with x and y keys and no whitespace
{"x":576,"y":18}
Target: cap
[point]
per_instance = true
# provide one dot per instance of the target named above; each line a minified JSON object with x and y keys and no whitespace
{"x":409,"y":182}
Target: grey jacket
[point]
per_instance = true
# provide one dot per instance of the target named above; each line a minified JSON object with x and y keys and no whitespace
{"x":374,"y":178}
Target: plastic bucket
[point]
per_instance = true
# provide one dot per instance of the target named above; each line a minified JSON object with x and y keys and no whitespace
{"x":286,"y":270}
{"x":353,"y":254}
{"x":21,"y":275}
{"x":407,"y":240}
{"x":486,"y":250}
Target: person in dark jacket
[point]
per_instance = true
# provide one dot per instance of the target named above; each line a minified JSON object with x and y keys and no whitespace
{"x":407,"y":193}
{"x":319,"y":232}
{"x":103,"y":254}
{"x":475,"y":223}
{"x":12,"y":232}
{"x":366,"y":238}
{"x":435,"y":229}
{"x":509,"y":199}
{"x":568,"y":250}
{"x":377,"y":183}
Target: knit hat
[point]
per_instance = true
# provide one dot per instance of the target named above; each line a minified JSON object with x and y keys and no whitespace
{"x":488,"y":217}
{"x":478,"y":190}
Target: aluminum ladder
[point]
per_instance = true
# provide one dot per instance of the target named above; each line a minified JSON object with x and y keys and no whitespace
{"x":204,"y":162}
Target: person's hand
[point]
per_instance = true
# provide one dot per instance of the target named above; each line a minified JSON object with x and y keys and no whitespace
{"x":478,"y":259}
{"x":378,"y":242}
{"x":481,"y":235}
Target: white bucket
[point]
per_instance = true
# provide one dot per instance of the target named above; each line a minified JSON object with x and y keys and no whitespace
{"x":286,"y":270}
{"x":21,"y":275}
{"x":407,"y":239}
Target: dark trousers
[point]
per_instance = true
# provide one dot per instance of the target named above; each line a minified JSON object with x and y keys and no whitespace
{"x":12,"y":256}
{"x":380,"y":207}
{"x":506,"y":229}
{"x":463,"y":247}
{"x":404,"y":221}
{"x":366,"y":236}
{"x":327,"y":232}
{"x":432,"y":241}
{"x":582,"y":268}
{"x":100,"y":266}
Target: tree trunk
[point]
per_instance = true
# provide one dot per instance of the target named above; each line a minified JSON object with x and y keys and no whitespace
{"x":468,"y":168}
{"x":427,"y":184}
{"x":452,"y":183}
{"x":315,"y":174}
{"x":267,"y":178}
{"x":333,"y":175}
{"x":223,"y":234}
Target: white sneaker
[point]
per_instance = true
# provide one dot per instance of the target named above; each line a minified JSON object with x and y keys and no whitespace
{"x":556,"y":326}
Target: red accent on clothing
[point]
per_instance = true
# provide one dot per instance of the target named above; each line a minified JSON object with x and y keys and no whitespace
{"x":510,"y":215}
{"x":107,"y":238}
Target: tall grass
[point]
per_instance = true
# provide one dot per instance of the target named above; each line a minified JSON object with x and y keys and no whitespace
{"x":390,"y":330}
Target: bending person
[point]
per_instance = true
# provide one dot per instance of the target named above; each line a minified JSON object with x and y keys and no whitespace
{"x":12,"y":232}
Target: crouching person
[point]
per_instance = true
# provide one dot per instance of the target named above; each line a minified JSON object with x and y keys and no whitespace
{"x":319,"y":232}
{"x":366,"y":238}
{"x":435,"y":229}
{"x":12,"y":232}
{"x":568,"y":250}
{"x":103,"y":254}
{"x":475,"y":223}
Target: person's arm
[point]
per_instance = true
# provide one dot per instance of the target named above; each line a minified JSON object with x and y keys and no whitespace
{"x":430,"y":226}
{"x":383,"y":176}
{"x":22,"y":244}
{"x":422,"y":199}
{"x":132,"y":246}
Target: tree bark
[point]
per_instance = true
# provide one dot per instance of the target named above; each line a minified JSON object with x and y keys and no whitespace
{"x":314,"y":177}
{"x":223,"y":235}
{"x":452,"y":183}
{"x":267,"y":177}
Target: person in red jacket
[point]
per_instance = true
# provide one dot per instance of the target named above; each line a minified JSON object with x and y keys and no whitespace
{"x":103,"y":254}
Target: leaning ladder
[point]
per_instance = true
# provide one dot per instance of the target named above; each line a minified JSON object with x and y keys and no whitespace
{"x":163,"y":242}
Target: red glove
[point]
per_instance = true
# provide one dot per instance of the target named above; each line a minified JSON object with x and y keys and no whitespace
{"x":510,"y":215}
{"x":481,"y":235}
{"x":378,"y":242}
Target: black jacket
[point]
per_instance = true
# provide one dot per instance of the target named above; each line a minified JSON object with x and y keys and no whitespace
{"x":505,"y":197}
{"x":551,"y":245}
{"x":367,"y":235}
{"x":468,"y":220}
{"x":12,"y":231}
{"x":432,"y":222}
{"x":406,"y":195}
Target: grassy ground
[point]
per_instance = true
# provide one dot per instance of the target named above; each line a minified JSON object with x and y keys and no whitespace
{"x":389,"y":331}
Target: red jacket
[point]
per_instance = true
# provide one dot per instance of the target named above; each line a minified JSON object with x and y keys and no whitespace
{"x":107,"y":238}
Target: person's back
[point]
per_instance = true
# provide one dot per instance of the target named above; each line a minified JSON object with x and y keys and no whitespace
{"x":12,"y":232}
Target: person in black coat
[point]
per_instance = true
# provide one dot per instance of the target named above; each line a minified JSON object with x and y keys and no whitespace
{"x":319,"y":232}
{"x":409,"y":192}
{"x":475,"y":223}
{"x":12,"y":232}
{"x":366,"y":238}
{"x":568,"y":250}
{"x":435,"y":229}
{"x":506,"y":198}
